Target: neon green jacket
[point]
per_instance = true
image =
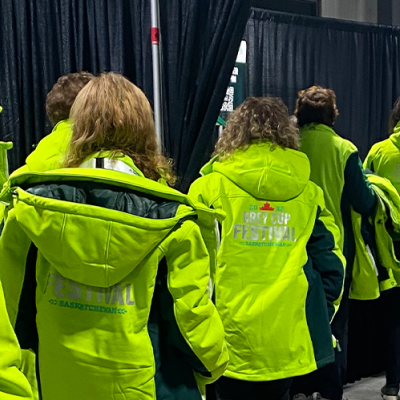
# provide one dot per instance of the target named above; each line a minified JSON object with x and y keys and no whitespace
{"x":384,"y":158}
{"x":328,"y":154}
{"x":50,"y":152}
{"x":49,"y":155}
{"x":379,"y":270}
{"x":280,"y":270}
{"x":98,"y":241}
{"x":13,"y":384}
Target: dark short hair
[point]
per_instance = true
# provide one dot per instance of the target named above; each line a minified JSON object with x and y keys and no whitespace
{"x":63,"y":94}
{"x":394,"y":116}
{"x":316,"y":105}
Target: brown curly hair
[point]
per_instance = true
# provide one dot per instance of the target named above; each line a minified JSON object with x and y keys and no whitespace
{"x":258,"y":119}
{"x":112,"y":114}
{"x":63,"y":94}
{"x":316,"y":105}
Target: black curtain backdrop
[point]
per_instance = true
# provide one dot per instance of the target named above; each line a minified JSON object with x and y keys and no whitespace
{"x":287,"y":53}
{"x":41,"y":40}
{"x":201,"y":43}
{"x":360,"y":62}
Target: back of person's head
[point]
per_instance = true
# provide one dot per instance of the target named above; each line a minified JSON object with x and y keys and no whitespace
{"x":112,"y":114}
{"x":394,"y":117}
{"x":316,"y":105}
{"x":63,"y":94}
{"x":258,"y":119}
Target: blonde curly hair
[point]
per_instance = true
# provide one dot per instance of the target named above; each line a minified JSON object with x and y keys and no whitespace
{"x":112,"y":114}
{"x":258,"y":119}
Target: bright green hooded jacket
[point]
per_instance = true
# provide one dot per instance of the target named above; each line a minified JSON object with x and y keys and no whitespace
{"x":280,"y":271}
{"x":13,"y":384}
{"x":97,"y":242}
{"x":384,"y":158}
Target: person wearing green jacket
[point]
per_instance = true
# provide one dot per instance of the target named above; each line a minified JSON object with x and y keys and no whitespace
{"x":384,"y":157}
{"x":13,"y":384}
{"x":105,"y":270}
{"x":49,"y":153}
{"x":384,"y":160}
{"x":337,"y":169}
{"x":280,"y":270}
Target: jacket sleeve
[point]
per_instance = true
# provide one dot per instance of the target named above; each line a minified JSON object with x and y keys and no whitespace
{"x":369,"y":163}
{"x":327,"y":258}
{"x":357,"y":187}
{"x":369,"y":160}
{"x":201,"y":191}
{"x":196,"y":316}
{"x":13,"y":384}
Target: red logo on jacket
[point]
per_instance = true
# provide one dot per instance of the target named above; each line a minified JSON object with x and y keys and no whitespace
{"x":267,"y":207}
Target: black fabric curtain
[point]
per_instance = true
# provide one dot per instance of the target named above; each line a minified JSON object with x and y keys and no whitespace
{"x":41,"y":40}
{"x":361,"y":62}
{"x":287,"y":53}
{"x":200,"y":43}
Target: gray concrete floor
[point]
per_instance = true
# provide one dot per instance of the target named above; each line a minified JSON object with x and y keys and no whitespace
{"x":366,"y":389}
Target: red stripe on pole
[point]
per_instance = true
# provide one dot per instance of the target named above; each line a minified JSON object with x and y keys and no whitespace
{"x":155,"y":36}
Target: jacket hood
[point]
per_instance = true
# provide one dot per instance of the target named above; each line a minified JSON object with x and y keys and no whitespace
{"x":50,"y":152}
{"x":264,"y":172}
{"x":95,"y":226}
{"x":395,"y":138}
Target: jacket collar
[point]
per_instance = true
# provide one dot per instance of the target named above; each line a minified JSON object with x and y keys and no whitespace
{"x":121,"y":163}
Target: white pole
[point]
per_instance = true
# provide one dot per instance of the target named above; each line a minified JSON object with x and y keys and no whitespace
{"x":157,"y":75}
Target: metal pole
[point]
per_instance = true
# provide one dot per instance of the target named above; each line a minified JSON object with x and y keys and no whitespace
{"x":157,"y":75}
